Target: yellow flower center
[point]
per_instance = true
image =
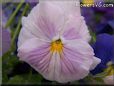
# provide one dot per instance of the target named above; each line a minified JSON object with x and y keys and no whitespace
{"x":57,"y":46}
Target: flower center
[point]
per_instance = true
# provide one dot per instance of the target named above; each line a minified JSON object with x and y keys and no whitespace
{"x":57,"y":46}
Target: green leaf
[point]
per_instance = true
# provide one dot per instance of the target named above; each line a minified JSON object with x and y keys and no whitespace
{"x":16,"y":80}
{"x":90,"y":79}
{"x":8,"y":62}
{"x":35,"y":79}
{"x":75,"y":83}
{"x":100,"y":75}
{"x":99,"y":80}
{"x":93,"y":36}
{"x":4,"y":78}
{"x":98,"y":16}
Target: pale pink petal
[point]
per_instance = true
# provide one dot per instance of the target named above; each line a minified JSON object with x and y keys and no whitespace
{"x":71,"y":27}
{"x":85,"y":34}
{"x":48,"y":10}
{"x":43,"y":22}
{"x":43,"y":29}
{"x":47,"y":27}
{"x":47,"y":18}
{"x":24,"y":36}
{"x":68,"y":7}
{"x":96,"y":61}
{"x":74,"y":63}
{"x":75,"y":28}
{"x":71,"y":69}
{"x":83,"y":51}
{"x":29,"y":46}
{"x":54,"y":68}
{"x":41,"y":59}
{"x":44,"y":18}
{"x":63,"y":68}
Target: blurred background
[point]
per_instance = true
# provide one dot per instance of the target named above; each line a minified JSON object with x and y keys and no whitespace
{"x":100,"y":21}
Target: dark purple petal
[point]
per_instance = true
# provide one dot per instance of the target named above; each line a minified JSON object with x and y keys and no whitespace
{"x":5,"y":33}
{"x":88,"y":13}
{"x":32,"y":2}
{"x":5,"y":40}
{"x":104,"y":49}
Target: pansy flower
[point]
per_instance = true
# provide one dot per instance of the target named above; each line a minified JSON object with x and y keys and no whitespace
{"x":54,"y":41}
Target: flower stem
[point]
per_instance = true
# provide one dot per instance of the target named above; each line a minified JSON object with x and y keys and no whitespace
{"x":14,"y":14}
{"x":18,"y":26}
